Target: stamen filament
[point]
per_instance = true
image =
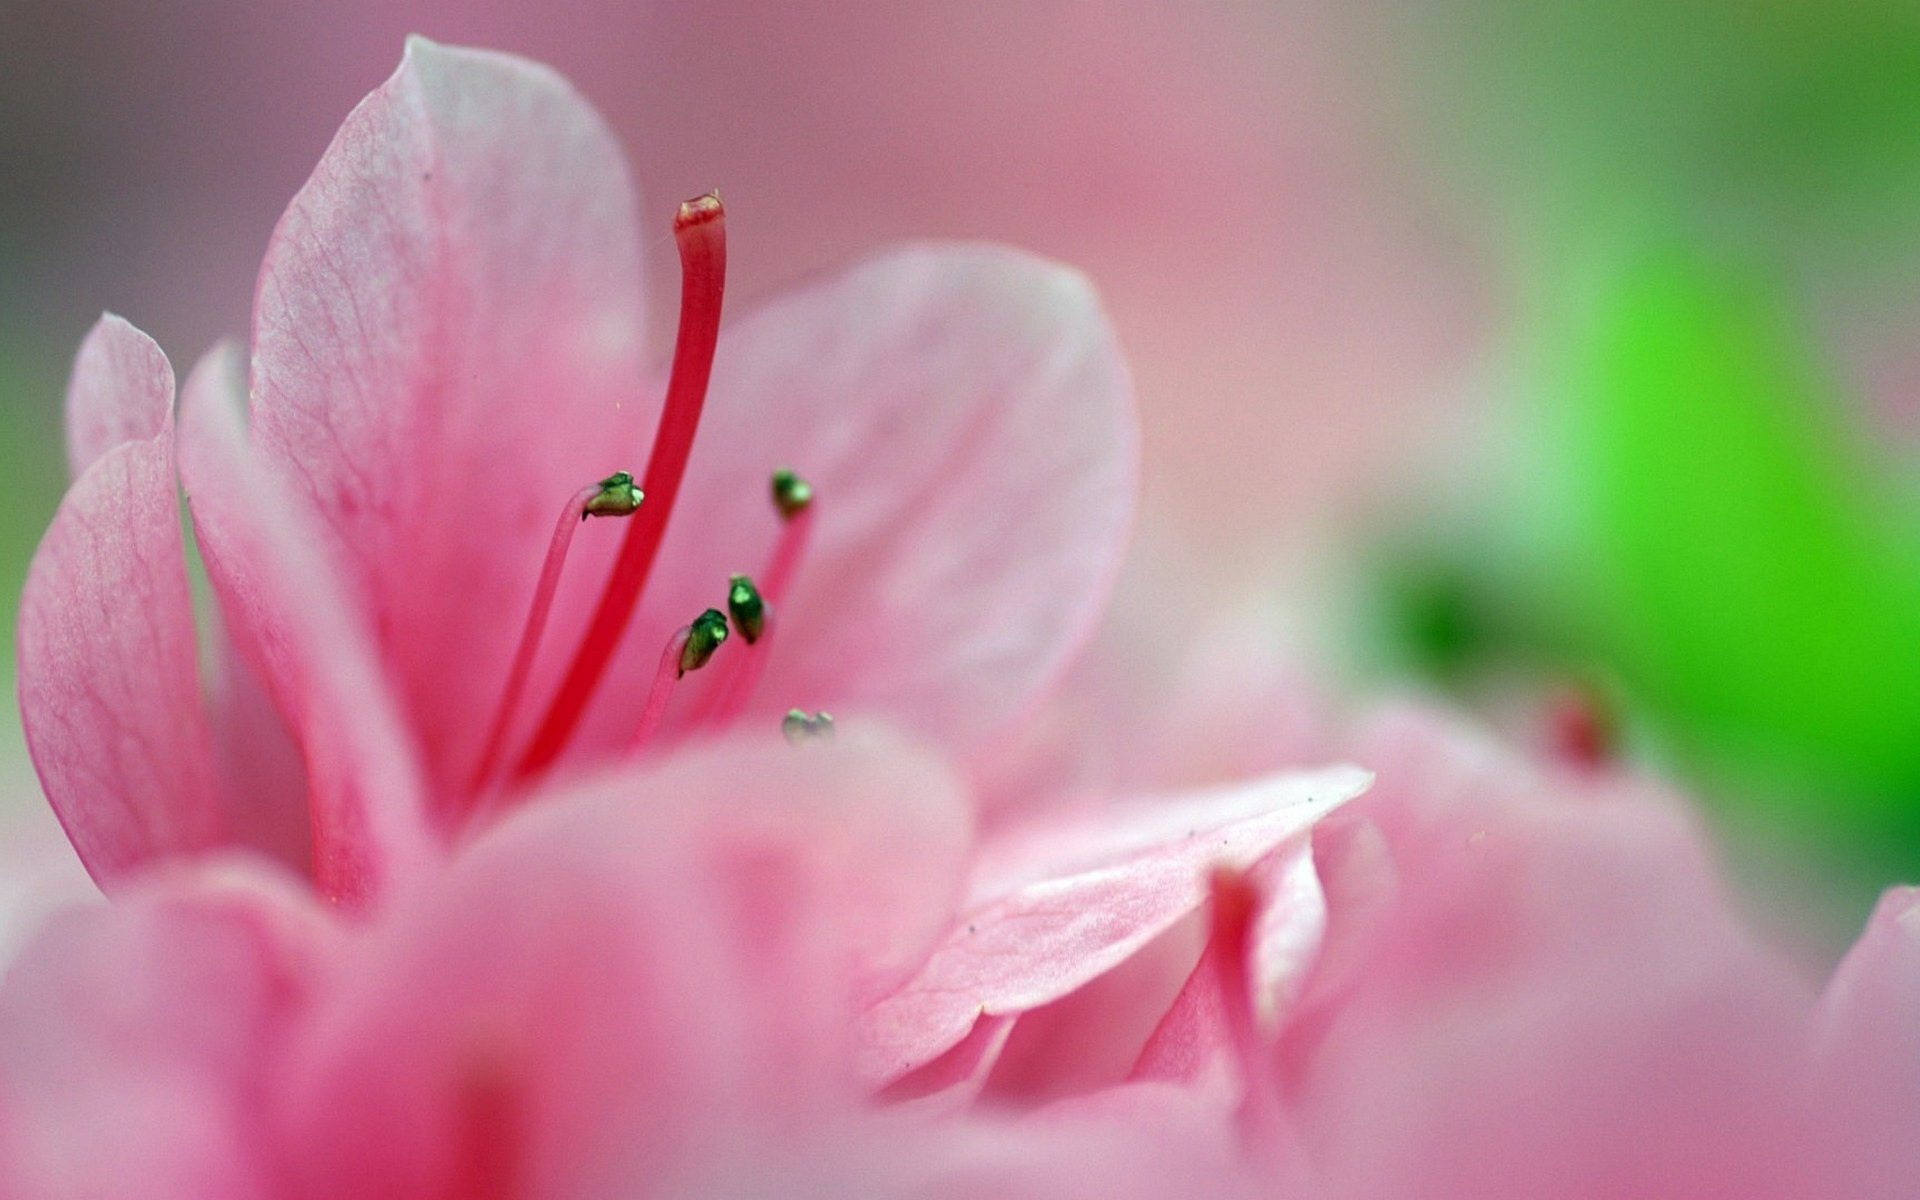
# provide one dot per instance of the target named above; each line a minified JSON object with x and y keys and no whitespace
{"x":737,"y":689}
{"x":689,"y":649}
{"x":664,"y":678}
{"x":612,"y":496}
{"x":700,"y":229}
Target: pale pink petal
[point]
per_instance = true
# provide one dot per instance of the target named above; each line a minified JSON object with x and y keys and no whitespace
{"x":136,"y":1041}
{"x":109,"y":688}
{"x":884,"y":831}
{"x":1192,"y":1043}
{"x":965,"y":417}
{"x":619,"y":991}
{"x":121,"y":391}
{"x":1867,"y":1047}
{"x":447,"y":345}
{"x":256,"y":754}
{"x":1055,"y":907}
{"x":284,"y":609}
{"x":1090,"y":1038}
{"x":954,"y":1080}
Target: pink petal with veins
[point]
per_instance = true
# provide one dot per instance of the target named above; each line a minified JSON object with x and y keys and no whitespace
{"x":447,"y":344}
{"x":109,"y":685}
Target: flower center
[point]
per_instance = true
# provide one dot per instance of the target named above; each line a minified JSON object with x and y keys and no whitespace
{"x":700,"y":231}
{"x":700,"y":228}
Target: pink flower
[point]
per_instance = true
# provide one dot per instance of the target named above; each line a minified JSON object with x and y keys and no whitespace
{"x":447,"y":349}
{"x":622,"y":991}
{"x":446,"y":346}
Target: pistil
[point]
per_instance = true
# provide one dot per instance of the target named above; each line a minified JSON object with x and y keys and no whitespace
{"x":614,"y":496}
{"x":700,"y":230}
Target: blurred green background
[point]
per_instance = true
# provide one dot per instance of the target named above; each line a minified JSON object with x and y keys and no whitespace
{"x":1554,"y":344}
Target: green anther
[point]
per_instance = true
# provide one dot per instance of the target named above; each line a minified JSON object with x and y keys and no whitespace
{"x":617,"y":497}
{"x":748,"y":610}
{"x":791,"y":494}
{"x":801,"y":727}
{"x":704,"y":636}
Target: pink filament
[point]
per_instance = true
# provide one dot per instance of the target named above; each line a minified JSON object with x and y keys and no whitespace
{"x":664,"y":680}
{"x":737,"y":689}
{"x":537,"y":613}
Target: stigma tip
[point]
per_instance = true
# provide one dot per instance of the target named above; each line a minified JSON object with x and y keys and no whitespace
{"x":699,"y":211}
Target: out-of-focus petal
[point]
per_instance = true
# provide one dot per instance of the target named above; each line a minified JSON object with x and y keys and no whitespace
{"x":966,"y":419}
{"x":284,"y":609}
{"x":623,"y":991}
{"x":1551,"y":995}
{"x":447,"y":345}
{"x":109,"y":687}
{"x":135,"y":1040}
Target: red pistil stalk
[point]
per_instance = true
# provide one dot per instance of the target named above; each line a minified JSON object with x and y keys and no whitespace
{"x":700,"y":229}
{"x":612,"y":496}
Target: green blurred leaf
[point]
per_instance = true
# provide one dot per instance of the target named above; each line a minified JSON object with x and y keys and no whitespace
{"x":1742,"y":560}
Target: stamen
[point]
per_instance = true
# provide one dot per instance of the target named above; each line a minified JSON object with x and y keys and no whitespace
{"x":614,"y":496}
{"x":690,"y":648}
{"x":793,"y":496}
{"x":707,"y":634}
{"x":791,"y":493}
{"x":747,"y":608}
{"x":700,"y":229}
{"x":800,"y":727}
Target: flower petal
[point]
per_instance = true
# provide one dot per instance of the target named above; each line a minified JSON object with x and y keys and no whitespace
{"x":1056,"y":907}
{"x":620,"y":985}
{"x":121,"y":391}
{"x":965,"y":417}
{"x":1550,"y":996}
{"x":284,"y":610}
{"x":447,"y":345}
{"x":109,"y":688}
{"x":135,"y":1039}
